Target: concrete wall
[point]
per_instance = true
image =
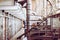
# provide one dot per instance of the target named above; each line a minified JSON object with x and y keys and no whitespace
{"x":56,"y":22}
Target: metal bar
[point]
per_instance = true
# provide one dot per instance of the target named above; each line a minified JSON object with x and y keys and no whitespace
{"x":37,"y":15}
{"x":27,"y":19}
{"x":49,"y":2}
{"x":15,"y":17}
{"x":35,"y":20}
{"x":10,"y":15}
{"x":51,"y":19}
{"x":4,"y":27}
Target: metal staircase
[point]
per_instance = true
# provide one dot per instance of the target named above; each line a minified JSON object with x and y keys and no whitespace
{"x":47,"y":32}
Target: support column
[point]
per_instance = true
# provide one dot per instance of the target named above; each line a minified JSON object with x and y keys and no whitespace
{"x":27,"y":19}
{"x":4,"y":26}
{"x":28,"y":16}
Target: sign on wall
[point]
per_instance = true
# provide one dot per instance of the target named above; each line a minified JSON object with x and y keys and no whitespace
{"x":6,"y":2}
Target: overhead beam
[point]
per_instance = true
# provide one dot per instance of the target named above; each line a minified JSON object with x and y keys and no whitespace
{"x":55,"y":15}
